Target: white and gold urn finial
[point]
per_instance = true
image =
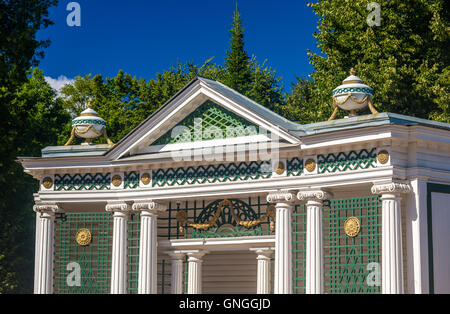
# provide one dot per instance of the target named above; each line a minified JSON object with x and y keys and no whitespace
{"x":352,"y":95}
{"x":88,"y":126}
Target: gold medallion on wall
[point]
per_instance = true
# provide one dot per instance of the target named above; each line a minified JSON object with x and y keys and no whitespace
{"x":47,"y":182}
{"x":117,"y":180}
{"x":145,"y":178}
{"x":383,"y":157}
{"x":310,"y":165}
{"x":352,"y":227}
{"x":83,"y":237}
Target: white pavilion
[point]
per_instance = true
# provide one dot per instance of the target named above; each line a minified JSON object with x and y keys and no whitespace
{"x":215,"y":194}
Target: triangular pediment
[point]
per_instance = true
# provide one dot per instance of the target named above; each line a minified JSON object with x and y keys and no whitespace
{"x":208,"y":122}
{"x":203,"y":115}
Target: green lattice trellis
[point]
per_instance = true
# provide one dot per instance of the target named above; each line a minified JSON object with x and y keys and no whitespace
{"x":94,"y":259}
{"x":210,"y":117}
{"x":347,"y":258}
{"x":133,"y":252}
{"x":299,"y":248}
{"x":363,"y":159}
{"x":78,"y":182}
{"x":211,"y":174}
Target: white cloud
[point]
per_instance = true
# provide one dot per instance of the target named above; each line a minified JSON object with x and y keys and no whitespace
{"x":58,"y":83}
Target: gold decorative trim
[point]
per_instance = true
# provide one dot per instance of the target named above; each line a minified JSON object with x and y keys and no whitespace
{"x":83,"y":237}
{"x":280,"y":168}
{"x":310,"y":165}
{"x":145,"y":178}
{"x":117,"y":180}
{"x":47,"y":182}
{"x":181,"y":217}
{"x":352,"y":227}
{"x":383,"y":157}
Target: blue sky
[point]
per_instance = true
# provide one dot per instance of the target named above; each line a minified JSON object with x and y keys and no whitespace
{"x":146,"y":37}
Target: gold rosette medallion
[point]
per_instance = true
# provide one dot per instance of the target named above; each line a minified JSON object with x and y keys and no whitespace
{"x":83,"y":237}
{"x":352,"y":227}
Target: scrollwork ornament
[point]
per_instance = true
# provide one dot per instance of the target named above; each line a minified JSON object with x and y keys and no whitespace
{"x":279,"y":197}
{"x":319,"y":195}
{"x":393,"y":187}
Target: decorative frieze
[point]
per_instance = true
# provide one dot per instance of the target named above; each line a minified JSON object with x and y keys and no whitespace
{"x":212,"y":174}
{"x":353,"y":160}
{"x":78,"y":182}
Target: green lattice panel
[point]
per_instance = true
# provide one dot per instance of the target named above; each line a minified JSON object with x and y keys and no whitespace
{"x":346,"y":258}
{"x":78,"y":182}
{"x":211,"y":174}
{"x":131,"y":180}
{"x":94,"y":259}
{"x":331,"y":163}
{"x":133,"y":253}
{"x":209,"y":117}
{"x":299,"y":248}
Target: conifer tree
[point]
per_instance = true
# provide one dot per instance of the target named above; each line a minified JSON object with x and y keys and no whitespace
{"x":237,"y":62}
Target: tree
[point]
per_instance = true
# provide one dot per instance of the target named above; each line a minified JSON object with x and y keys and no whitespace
{"x":237,"y":62}
{"x":405,"y":59}
{"x":23,"y":131}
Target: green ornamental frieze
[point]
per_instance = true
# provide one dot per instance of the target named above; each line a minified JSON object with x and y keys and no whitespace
{"x":233,"y":172}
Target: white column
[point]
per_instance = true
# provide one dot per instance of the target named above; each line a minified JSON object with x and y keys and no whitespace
{"x":176,"y":281}
{"x":148,"y":274}
{"x":119,"y":271}
{"x":195,"y":271}
{"x":45,"y":234}
{"x":263,"y":271}
{"x":391,"y":243}
{"x":314,"y":240}
{"x":283,"y":241}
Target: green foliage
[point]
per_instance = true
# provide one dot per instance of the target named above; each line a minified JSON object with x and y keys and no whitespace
{"x":30,"y":114}
{"x":405,"y":59}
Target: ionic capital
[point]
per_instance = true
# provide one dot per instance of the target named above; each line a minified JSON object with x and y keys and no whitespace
{"x":119,"y":207}
{"x":315,"y":195}
{"x":280,"y":197}
{"x":149,"y":206}
{"x":46,"y":208}
{"x":391,"y":188}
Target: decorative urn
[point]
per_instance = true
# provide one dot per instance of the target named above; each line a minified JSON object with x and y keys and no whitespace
{"x":88,"y":126}
{"x":352,"y":95}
